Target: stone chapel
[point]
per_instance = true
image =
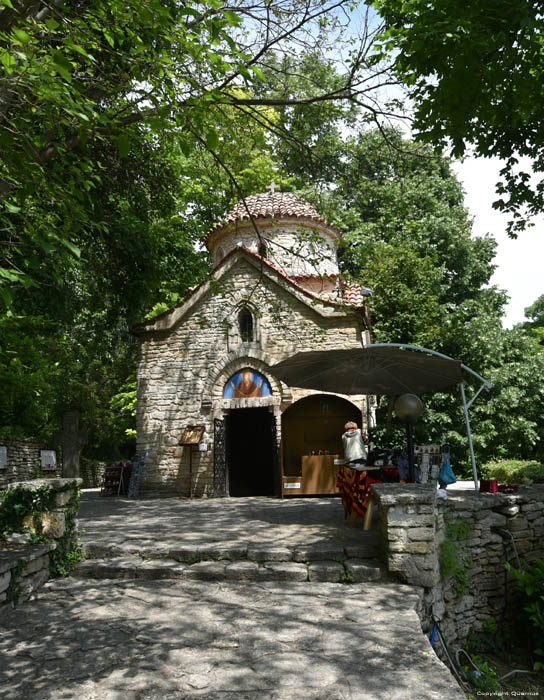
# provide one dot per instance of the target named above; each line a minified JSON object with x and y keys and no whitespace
{"x":274,"y":290}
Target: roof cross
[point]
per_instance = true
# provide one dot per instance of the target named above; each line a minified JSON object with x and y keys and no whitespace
{"x":272,"y":187}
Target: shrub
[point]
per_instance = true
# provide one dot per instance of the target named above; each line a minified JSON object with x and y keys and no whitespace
{"x":453,"y":565}
{"x":530,"y":584}
{"x":514,"y":471}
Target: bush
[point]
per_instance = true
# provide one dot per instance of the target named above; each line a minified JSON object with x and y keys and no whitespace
{"x":514,"y":471}
{"x":530,"y":584}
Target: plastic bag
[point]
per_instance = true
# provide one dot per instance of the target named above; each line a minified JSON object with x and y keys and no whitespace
{"x":446,"y":475}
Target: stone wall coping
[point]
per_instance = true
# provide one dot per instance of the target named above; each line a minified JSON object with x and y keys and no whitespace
{"x":20,"y":441}
{"x":403,"y":494}
{"x":34,"y":484}
{"x":407,"y":494}
{"x":473,"y":500}
{"x":10,"y":557}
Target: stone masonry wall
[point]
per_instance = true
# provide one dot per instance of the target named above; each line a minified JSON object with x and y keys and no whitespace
{"x":416,"y":528}
{"x":182,"y":372}
{"x":23,"y":461}
{"x":24,"y":567}
{"x":292,"y":247}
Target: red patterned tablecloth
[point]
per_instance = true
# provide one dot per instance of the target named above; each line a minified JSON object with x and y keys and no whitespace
{"x":354,"y":487}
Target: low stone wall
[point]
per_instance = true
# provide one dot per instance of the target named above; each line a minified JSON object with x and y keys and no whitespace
{"x":456,"y":549}
{"x":23,"y":570}
{"x":25,"y":567}
{"x":91,"y":472}
{"x":23,"y":461}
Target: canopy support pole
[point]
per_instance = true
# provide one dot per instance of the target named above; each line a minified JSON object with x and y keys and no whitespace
{"x":485,"y":385}
{"x":469,"y":434}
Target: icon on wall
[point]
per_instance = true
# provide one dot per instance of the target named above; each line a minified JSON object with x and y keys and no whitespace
{"x":247,"y":384}
{"x":192,"y":435}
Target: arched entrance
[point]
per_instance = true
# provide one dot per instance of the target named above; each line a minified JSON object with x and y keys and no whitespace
{"x":245,"y":441}
{"x":312,"y":425}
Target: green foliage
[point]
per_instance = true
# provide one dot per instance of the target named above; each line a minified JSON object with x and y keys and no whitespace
{"x":486,"y":680}
{"x":474,"y":72}
{"x":96,"y":87}
{"x":486,"y":639}
{"x":535,"y":324}
{"x":346,"y":576}
{"x":19,"y":502}
{"x":509,"y":424}
{"x":68,"y":553}
{"x":458,"y":530}
{"x":157,"y":189}
{"x":453,"y":565}
{"x":407,"y":236}
{"x":514,"y":471}
{"x":530,"y":585}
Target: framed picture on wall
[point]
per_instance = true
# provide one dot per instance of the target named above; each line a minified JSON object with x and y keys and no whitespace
{"x":192,"y":435}
{"x":48,"y":460}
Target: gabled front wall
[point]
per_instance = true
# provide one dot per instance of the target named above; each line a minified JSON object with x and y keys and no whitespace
{"x":182,"y":371}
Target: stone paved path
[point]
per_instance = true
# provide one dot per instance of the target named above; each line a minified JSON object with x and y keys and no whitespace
{"x":186,"y":639}
{"x":138,"y":640}
{"x":175,"y":521}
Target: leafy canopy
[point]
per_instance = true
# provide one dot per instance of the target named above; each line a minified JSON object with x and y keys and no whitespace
{"x":83,"y":80}
{"x":474,"y":71}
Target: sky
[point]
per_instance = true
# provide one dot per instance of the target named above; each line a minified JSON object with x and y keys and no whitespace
{"x":519,"y":262}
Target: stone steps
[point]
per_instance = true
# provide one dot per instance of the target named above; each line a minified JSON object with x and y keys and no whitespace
{"x":317,"y":563}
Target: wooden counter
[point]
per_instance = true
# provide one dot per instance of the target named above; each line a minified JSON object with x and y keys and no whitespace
{"x":318,"y":477}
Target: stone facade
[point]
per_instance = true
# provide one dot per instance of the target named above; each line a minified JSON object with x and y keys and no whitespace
{"x":188,"y":354}
{"x":291,"y":247}
{"x":483,"y":532}
{"x":23,"y":461}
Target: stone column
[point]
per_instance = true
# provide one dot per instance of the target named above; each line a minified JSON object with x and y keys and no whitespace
{"x":408,"y":531}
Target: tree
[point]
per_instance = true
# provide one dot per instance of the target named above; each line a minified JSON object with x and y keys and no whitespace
{"x":408,"y":236}
{"x":67,"y":342}
{"x":474,"y":72}
{"x":535,"y":314}
{"x":81,"y":77}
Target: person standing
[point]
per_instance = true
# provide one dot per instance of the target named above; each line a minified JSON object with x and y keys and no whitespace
{"x":355,"y":451}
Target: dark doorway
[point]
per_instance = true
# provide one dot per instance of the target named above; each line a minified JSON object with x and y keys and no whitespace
{"x":251,"y":452}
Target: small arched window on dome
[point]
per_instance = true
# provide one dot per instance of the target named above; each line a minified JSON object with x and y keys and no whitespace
{"x":219,"y":255}
{"x":245,"y":325}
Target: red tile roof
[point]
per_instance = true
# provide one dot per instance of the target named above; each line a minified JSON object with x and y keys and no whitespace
{"x":268,"y":205}
{"x":352,"y":294}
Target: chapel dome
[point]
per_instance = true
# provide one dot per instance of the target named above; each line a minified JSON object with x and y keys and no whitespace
{"x":275,"y":204}
{"x":271,"y":205}
{"x":286,"y":231}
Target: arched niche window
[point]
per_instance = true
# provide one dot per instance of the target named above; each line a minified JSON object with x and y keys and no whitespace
{"x":245,"y":325}
{"x":247,"y":384}
{"x":219,"y":255}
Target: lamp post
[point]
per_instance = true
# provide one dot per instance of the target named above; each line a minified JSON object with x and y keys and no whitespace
{"x":409,"y":408}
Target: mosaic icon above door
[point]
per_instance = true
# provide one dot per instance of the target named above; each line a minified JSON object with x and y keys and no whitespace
{"x":246,"y":384}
